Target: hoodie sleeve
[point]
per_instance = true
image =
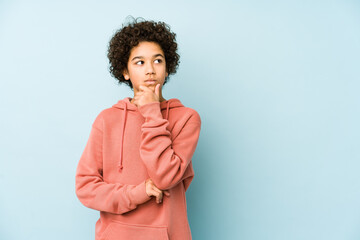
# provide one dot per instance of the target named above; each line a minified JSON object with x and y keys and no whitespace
{"x":168,"y":161}
{"x":90,"y":187}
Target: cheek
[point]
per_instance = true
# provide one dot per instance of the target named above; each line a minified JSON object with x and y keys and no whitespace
{"x":162,"y":70}
{"x":134,"y":73}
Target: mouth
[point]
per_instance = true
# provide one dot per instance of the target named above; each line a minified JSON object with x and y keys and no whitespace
{"x":150,"y":81}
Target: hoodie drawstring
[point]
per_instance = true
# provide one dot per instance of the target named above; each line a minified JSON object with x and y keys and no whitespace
{"x":167,"y":110}
{"x":122,"y":137}
{"x":123,"y":131}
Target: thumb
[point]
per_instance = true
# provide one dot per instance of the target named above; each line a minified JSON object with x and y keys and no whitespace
{"x":157,"y":89}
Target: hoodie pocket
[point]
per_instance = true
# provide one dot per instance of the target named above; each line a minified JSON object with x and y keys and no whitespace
{"x":118,"y":230}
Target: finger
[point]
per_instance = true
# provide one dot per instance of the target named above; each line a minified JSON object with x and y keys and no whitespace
{"x":150,"y":192}
{"x":167,"y":193}
{"x":138,"y":94}
{"x":145,"y":88}
{"x":157,"y":90}
{"x":158,"y":191}
{"x":159,"y":198}
{"x":154,"y":193}
{"x":142,"y":88}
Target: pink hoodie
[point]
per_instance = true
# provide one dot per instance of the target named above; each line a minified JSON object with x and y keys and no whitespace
{"x":127,"y":145}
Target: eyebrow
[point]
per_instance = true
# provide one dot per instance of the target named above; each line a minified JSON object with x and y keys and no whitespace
{"x":141,"y":57}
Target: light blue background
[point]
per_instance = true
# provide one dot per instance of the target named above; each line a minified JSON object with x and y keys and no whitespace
{"x":276,"y":84}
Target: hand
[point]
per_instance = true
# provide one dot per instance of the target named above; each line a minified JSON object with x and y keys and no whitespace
{"x":152,"y":190}
{"x":147,"y":95}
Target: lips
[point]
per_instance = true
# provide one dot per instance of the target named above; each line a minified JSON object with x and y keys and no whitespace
{"x":150,"y":81}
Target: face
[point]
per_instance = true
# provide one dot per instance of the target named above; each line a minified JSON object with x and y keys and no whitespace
{"x":146,"y":66}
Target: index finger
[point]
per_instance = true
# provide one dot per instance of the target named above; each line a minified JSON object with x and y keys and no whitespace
{"x":145,"y":88}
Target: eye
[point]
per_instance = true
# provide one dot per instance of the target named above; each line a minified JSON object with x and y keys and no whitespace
{"x":139,"y":62}
{"x":158,"y":61}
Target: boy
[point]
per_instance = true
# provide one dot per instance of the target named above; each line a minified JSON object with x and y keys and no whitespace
{"x":136,"y":165}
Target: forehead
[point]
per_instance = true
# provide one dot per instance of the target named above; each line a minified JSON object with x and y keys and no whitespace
{"x":146,"y":49}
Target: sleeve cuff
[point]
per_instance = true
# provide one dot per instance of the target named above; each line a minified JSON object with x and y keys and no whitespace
{"x":138,"y":194}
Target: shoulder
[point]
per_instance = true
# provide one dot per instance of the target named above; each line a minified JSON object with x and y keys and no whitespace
{"x":187,"y":112}
{"x":103,"y":116}
{"x":185,"y":115}
{"x":194,"y":116}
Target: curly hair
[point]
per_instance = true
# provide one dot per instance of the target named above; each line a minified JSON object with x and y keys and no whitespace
{"x":131,"y":35}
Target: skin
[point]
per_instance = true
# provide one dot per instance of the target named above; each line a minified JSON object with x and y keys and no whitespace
{"x":152,"y":190}
{"x":147,"y":61}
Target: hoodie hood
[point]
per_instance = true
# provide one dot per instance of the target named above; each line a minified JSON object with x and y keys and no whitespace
{"x":125,"y":105}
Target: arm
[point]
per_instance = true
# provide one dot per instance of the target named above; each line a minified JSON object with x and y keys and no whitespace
{"x":91,"y":189}
{"x":168,"y":162}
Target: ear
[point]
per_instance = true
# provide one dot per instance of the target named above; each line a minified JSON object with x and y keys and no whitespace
{"x":126,"y":74}
{"x":166,"y":74}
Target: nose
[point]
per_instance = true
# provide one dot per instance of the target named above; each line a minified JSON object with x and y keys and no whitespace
{"x":150,"y":68}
